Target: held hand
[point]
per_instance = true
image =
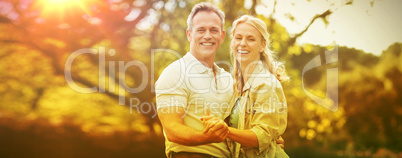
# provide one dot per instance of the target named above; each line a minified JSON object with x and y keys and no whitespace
{"x":221,"y":129}
{"x":280,"y":142}
{"x":215,"y":129}
{"x":208,"y":121}
{"x":217,"y":132}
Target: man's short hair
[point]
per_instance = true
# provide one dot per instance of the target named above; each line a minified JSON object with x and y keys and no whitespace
{"x":204,"y":6}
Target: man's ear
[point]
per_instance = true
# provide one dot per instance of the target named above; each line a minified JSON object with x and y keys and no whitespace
{"x":188,"y":33}
{"x":223,"y":35}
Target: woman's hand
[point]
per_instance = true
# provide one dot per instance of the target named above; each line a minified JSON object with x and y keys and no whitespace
{"x":214,"y":127}
{"x":280,"y":142}
{"x":209,"y":121}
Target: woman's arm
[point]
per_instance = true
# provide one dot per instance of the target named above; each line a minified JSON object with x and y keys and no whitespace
{"x":244,"y":137}
{"x":269,"y":118}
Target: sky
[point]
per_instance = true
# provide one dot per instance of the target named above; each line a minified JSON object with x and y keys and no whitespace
{"x":369,"y":25}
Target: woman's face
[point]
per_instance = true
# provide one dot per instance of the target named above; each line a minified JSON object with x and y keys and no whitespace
{"x":247,"y":44}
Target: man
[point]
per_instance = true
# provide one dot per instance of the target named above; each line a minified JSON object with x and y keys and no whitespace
{"x":190,"y":85}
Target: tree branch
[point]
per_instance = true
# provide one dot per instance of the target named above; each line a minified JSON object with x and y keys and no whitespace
{"x":252,"y":9}
{"x":10,"y":41}
{"x":4,"y":20}
{"x":323,"y":15}
{"x":39,"y":92}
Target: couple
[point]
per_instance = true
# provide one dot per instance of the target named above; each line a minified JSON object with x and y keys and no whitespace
{"x":204,"y":111}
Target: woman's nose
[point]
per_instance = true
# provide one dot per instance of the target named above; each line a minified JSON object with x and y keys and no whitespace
{"x":243,"y":42}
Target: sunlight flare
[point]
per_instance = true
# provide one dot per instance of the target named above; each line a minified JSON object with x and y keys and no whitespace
{"x":61,"y":8}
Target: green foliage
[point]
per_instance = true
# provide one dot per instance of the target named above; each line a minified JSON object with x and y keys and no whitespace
{"x":369,"y":104}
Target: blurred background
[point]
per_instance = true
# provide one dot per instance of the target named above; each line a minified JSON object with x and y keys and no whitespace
{"x":44,"y":114}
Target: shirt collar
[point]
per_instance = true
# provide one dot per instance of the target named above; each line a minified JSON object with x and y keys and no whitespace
{"x":195,"y":64}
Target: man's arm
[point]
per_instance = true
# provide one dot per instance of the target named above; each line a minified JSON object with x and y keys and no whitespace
{"x":175,"y":130}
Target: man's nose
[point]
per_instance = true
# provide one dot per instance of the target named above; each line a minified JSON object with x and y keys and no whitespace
{"x":207,"y":35}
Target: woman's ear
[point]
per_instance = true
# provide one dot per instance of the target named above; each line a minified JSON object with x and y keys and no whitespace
{"x":263,"y":44}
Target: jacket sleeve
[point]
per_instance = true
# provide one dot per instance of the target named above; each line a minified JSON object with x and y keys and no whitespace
{"x":269,"y":113}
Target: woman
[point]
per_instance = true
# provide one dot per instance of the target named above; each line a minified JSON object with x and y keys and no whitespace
{"x":259,"y":110}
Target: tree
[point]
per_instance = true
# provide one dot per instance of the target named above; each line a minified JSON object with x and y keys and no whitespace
{"x":38,"y":37}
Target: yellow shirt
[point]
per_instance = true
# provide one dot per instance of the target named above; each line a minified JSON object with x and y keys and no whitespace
{"x":263,"y":110}
{"x":189,"y":84}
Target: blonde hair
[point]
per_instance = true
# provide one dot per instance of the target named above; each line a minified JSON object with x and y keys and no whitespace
{"x":267,"y":57}
{"x":204,"y":6}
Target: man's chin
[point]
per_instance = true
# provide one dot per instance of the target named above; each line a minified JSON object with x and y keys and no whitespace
{"x":208,"y":53}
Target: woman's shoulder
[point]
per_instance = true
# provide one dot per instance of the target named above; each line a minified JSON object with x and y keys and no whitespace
{"x":265,"y":78}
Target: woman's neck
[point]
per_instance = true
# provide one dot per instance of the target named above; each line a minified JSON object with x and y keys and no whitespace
{"x":247,"y":70}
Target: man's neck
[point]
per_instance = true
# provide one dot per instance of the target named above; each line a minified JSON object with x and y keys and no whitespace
{"x":208,"y":62}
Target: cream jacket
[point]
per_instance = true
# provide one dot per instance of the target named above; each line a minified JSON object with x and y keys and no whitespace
{"x":263,"y":110}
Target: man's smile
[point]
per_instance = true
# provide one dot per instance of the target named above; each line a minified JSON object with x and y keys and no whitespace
{"x":207,"y":43}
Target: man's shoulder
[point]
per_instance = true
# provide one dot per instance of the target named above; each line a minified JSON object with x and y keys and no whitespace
{"x":173,"y":72}
{"x":175,"y":66}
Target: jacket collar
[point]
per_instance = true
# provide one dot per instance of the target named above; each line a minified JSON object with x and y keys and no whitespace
{"x":259,"y":67}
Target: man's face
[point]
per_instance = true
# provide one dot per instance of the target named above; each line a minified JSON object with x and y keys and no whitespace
{"x":206,"y":35}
